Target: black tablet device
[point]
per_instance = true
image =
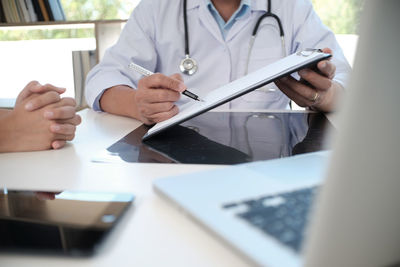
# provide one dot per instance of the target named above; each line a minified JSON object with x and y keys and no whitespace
{"x":63,"y":223}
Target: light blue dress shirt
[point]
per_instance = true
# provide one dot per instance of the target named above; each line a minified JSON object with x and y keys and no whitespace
{"x":154,"y":38}
{"x":226,"y":26}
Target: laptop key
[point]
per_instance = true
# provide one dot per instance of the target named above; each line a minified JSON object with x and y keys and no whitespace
{"x":282,"y":216}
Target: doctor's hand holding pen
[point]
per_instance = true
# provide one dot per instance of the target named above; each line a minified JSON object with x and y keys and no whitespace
{"x":316,"y":89}
{"x":152,"y":102}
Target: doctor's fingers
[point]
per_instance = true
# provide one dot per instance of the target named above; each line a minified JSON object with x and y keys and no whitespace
{"x":303,"y":95}
{"x":162,"y":116}
{"x":327,"y":68}
{"x":159,"y":80}
{"x":177,"y":76}
{"x":154,"y":108}
{"x":157,"y":95}
{"x":315,"y":79}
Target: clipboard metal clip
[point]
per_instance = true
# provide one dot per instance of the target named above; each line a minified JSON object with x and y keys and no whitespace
{"x":308,"y":52}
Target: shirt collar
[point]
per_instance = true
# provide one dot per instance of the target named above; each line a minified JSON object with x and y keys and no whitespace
{"x":242,"y":3}
{"x":255,"y":5}
{"x":240,"y":12}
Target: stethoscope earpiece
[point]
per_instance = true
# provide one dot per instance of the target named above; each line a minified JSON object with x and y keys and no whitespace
{"x":188,"y":65}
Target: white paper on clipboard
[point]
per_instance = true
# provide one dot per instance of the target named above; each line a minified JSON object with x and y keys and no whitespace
{"x":243,"y":85}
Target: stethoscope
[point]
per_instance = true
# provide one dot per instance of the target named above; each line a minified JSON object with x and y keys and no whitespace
{"x":282,"y":148}
{"x":189,"y":66}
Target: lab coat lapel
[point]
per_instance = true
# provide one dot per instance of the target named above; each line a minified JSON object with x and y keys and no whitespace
{"x":238,"y":26}
{"x":246,"y":20}
{"x":208,"y":22}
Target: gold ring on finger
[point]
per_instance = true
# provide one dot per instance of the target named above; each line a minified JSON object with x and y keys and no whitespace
{"x":315,"y":98}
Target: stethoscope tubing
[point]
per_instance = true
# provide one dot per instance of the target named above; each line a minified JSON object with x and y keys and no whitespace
{"x":252,"y":39}
{"x":266,"y":15}
{"x":187,"y":53}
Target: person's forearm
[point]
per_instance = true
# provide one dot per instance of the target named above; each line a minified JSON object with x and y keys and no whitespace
{"x":119,"y":100}
{"x":3,"y":113}
{"x":5,"y":131}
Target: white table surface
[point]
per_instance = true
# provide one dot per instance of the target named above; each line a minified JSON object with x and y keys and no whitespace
{"x":153,"y":232}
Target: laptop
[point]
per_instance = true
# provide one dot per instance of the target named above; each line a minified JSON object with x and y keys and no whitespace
{"x":330,"y":208}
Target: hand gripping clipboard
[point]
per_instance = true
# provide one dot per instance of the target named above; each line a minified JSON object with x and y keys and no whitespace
{"x":283,"y":67}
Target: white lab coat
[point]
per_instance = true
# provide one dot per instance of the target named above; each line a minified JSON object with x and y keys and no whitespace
{"x":154,"y":38}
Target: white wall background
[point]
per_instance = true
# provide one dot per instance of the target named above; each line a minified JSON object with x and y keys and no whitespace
{"x":47,"y":61}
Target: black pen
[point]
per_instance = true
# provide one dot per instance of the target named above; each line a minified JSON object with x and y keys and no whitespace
{"x":146,"y":72}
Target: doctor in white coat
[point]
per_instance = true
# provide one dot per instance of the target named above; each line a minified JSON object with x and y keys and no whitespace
{"x":218,"y":34}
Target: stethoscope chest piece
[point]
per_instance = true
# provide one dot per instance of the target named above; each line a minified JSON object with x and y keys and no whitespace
{"x":188,"y":65}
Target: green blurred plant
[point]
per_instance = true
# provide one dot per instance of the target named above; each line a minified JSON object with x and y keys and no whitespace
{"x":341,"y":16}
{"x":97,"y":9}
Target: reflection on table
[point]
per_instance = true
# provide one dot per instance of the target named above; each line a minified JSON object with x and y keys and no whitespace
{"x":225,"y":138}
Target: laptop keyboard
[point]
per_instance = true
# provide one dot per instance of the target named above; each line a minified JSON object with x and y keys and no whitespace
{"x":283,"y":216}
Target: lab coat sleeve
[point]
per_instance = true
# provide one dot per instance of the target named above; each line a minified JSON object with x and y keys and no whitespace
{"x":135,"y":44}
{"x":309,"y":32}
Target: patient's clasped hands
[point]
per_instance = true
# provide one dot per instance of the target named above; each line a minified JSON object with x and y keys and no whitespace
{"x":41,"y":119}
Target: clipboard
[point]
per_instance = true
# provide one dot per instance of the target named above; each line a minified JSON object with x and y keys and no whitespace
{"x":283,"y":67}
